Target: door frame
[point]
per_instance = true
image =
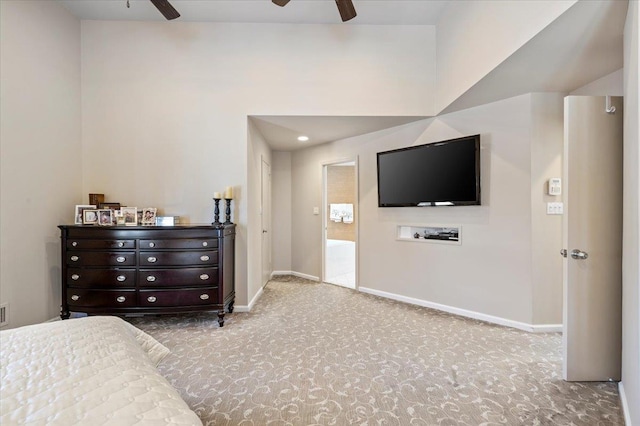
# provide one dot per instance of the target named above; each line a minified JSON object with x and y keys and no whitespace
{"x":325,"y":216}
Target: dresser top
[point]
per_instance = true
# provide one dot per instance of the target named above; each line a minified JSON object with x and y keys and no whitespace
{"x":149,"y":227}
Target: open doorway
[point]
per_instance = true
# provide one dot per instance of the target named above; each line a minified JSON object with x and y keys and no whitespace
{"x":340,"y":220}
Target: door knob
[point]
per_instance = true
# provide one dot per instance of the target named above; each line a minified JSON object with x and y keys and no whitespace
{"x":579,"y":254}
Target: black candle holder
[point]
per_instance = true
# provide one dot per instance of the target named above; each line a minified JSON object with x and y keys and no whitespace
{"x":216,"y":212}
{"x":227,"y":212}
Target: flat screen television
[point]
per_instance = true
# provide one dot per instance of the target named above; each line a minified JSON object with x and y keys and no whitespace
{"x":445,"y":173}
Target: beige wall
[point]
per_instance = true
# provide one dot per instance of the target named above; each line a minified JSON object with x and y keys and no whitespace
{"x":631,"y":220}
{"x":609,"y":85}
{"x":167,"y":105}
{"x":281,"y":211}
{"x":40,"y":164}
{"x":258,"y":151}
{"x":547,"y":141}
{"x":341,"y":188}
{"x":492,"y":271}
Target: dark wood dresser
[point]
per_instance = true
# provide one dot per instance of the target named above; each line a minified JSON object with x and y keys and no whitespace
{"x":122,"y":270}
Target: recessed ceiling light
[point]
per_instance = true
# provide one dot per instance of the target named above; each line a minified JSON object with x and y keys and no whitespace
{"x":303,"y":138}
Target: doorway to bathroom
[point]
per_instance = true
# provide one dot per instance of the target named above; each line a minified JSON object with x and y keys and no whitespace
{"x":340,"y":218}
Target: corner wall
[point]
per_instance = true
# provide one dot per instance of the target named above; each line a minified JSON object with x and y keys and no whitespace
{"x":474,"y":37}
{"x":40,"y":166}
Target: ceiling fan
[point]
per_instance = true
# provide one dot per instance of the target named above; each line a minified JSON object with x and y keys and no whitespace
{"x":345,"y":7}
{"x":165,"y":8}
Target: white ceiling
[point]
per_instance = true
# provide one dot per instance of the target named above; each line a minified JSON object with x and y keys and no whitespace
{"x":380,"y":12}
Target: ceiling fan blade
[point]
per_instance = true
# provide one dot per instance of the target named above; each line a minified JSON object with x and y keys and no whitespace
{"x":166,"y":9}
{"x":346,"y":9}
{"x":280,"y":2}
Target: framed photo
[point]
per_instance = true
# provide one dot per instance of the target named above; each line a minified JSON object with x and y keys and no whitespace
{"x":130,"y":215}
{"x":89,"y":217}
{"x":149,"y":216}
{"x":78,"y":217}
{"x":110,"y":206}
{"x":119,"y":217}
{"x":105,"y":217}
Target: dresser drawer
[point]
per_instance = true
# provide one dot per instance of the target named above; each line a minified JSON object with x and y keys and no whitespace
{"x":101,"y":258}
{"x":80,"y":244}
{"x":178,"y":277}
{"x":164,"y":298}
{"x":101,"y":298}
{"x":198,"y":243}
{"x":178,"y":258}
{"x":120,"y":278}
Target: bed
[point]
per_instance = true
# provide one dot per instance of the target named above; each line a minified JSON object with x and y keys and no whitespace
{"x":90,"y":371}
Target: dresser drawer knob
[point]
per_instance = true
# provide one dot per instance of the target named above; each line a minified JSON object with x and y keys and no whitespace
{"x":74,"y":258}
{"x":74,"y":244}
{"x":121,"y":278}
{"x":120,"y":244}
{"x":120,"y":259}
{"x":75,"y":297}
{"x":151,"y":299}
{"x":204,"y":244}
{"x":204,"y":277}
{"x":151,"y":259}
{"x":151,"y":278}
{"x":152,"y":244}
{"x":204,"y":258}
{"x":204,"y":296}
{"x":75,"y":277}
{"x":120,"y":299}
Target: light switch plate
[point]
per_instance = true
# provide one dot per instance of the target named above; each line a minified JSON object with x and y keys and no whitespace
{"x":555,"y":208}
{"x":316,"y":210}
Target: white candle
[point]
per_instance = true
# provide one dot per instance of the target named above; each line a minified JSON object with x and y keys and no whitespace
{"x":217,"y":195}
{"x":228,"y":193}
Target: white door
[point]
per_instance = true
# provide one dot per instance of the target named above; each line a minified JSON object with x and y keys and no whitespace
{"x":340,"y":221}
{"x":265,"y":214}
{"x":592,"y":236}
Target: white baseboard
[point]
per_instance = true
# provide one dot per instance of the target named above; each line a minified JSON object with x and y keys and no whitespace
{"x":465,"y":313}
{"x":247,"y":308}
{"x":546,"y":328}
{"x":295,"y":274}
{"x":625,"y":405}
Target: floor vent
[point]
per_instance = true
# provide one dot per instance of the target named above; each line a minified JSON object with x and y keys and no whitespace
{"x":4,"y":314}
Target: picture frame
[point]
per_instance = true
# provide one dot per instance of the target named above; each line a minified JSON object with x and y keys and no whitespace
{"x":130,"y":215}
{"x":89,"y":217}
{"x":118,"y":217}
{"x":105,"y":217}
{"x":78,"y":217}
{"x":110,"y":206}
{"x":96,"y":199}
{"x":149,"y":216}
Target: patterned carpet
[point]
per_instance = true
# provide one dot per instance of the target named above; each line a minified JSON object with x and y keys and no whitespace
{"x":318,"y":354}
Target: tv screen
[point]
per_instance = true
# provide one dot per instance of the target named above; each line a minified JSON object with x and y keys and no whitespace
{"x":444,"y":173}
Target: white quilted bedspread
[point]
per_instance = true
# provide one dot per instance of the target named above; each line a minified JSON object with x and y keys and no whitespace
{"x":88,"y":371}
